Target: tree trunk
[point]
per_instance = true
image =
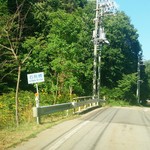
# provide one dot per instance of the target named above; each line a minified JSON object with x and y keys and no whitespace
{"x":17,"y":91}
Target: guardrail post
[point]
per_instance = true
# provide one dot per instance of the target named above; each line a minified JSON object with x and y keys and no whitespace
{"x":90,"y":105}
{"x":97,"y":104}
{"x":79,"y":109}
{"x":38,"y":120}
{"x":36,"y":114}
{"x":85,"y":106}
{"x":73,"y":105}
{"x":67,"y":112}
{"x":94,"y":104}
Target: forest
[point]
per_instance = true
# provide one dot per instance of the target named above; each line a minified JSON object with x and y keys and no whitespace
{"x":55,"y":37}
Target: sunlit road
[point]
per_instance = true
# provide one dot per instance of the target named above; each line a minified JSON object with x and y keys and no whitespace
{"x":113,"y":128}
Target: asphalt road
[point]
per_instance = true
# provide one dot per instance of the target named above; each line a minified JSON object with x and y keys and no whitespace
{"x":115,"y":128}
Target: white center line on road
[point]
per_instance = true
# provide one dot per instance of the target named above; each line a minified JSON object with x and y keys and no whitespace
{"x":67,"y":136}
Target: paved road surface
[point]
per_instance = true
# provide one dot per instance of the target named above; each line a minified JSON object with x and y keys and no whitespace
{"x":113,"y":128}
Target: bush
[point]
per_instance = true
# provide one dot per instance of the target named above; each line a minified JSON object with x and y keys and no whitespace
{"x":7,"y":109}
{"x":26,"y":103}
{"x":122,"y":103}
{"x":124,"y":92}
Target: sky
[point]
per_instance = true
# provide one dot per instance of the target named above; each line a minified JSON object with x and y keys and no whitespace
{"x":139,"y":13}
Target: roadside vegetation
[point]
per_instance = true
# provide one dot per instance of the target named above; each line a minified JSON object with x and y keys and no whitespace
{"x":10,"y":136}
{"x":55,"y":37}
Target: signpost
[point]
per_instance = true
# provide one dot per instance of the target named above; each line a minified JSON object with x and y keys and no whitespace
{"x":36,"y":78}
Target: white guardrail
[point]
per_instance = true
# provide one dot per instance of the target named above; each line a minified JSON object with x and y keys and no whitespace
{"x":79,"y":102}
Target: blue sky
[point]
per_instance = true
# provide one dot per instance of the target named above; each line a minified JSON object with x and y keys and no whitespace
{"x":139,"y":13}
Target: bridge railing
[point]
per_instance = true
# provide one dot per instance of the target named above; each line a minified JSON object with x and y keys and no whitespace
{"x":77,"y":105}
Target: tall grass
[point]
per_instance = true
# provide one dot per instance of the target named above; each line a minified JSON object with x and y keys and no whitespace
{"x":26,"y":102}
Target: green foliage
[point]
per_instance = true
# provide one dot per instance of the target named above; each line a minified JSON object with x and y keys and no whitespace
{"x":147,"y":70}
{"x":121,"y":56}
{"x":55,"y":37}
{"x":7,"y":108}
{"x":121,"y":103}
{"x":61,"y":50}
{"x":125,"y":91}
{"x":147,"y":79}
{"x":26,"y":102}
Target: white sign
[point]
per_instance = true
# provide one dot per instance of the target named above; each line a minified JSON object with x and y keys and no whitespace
{"x":35,"y":77}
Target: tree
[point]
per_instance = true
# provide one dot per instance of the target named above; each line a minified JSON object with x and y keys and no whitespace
{"x":12,"y":36}
{"x":126,"y":88}
{"x":146,"y":80}
{"x":55,"y":37}
{"x":121,"y":56}
{"x":61,"y":49}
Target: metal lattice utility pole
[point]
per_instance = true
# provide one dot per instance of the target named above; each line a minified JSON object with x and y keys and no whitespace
{"x":103,"y":7}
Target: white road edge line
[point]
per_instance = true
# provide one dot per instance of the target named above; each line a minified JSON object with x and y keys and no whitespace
{"x":67,"y":136}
